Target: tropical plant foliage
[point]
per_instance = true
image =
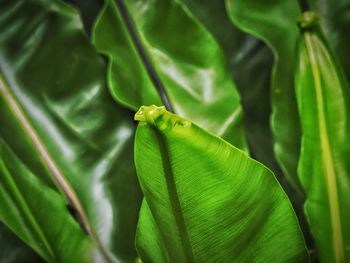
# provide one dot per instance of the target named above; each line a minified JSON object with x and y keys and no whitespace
{"x":247,"y":161}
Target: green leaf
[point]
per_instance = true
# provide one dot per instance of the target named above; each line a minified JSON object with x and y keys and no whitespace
{"x":38,"y":214}
{"x":59,"y":119}
{"x":13,"y":250}
{"x":246,"y":57}
{"x":157,"y":48}
{"x":324,"y":171}
{"x":207,"y":201}
{"x":275,"y":22}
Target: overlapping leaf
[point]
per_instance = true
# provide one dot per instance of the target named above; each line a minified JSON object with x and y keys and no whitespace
{"x":39,"y":215}
{"x":323,"y":97}
{"x":56,"y":79}
{"x":156,"y":45}
{"x":207,"y":201}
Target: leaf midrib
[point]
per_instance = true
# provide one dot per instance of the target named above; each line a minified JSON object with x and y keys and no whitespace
{"x":327,"y":157}
{"x":141,"y":51}
{"x":174,"y":198}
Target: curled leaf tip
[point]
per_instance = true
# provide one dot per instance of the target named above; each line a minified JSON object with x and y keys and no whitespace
{"x":149,"y":113}
{"x":308,"y":21}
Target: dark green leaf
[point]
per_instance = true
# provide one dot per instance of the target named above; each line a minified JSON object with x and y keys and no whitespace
{"x":207,"y":201}
{"x":56,"y":79}
{"x":153,"y":44}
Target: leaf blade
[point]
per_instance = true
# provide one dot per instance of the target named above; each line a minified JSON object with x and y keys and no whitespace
{"x":207,"y":176}
{"x":322,"y":94}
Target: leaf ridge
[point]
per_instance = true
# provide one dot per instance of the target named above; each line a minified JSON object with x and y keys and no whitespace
{"x":158,"y":119}
{"x":174,"y":198}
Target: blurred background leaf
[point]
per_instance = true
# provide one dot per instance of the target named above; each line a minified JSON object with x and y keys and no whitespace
{"x":59,"y":81}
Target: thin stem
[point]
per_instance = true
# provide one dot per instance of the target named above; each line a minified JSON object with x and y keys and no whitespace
{"x":143,"y":55}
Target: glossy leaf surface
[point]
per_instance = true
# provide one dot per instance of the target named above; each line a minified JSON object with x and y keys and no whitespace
{"x":324,"y":170}
{"x":207,"y":201}
{"x":24,"y":207}
{"x":58,"y":81}
{"x":183,"y":57}
{"x":275,"y":22}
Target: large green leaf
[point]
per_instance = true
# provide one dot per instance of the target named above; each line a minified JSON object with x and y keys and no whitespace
{"x":159,"y":45}
{"x":207,"y":201}
{"x":275,"y":23}
{"x":58,"y":118}
{"x":31,"y":209}
{"x":323,"y":97}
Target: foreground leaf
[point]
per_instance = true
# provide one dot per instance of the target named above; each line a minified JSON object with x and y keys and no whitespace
{"x":157,"y":49}
{"x":275,"y":22}
{"x":324,"y":170}
{"x":205,"y":200}
{"x":57,"y":80}
{"x":38,"y":214}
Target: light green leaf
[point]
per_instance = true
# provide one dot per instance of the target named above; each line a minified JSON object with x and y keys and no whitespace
{"x":275,"y":22}
{"x":324,"y":169}
{"x":38,"y":214}
{"x":58,"y":118}
{"x":157,"y":48}
{"x":207,"y":201}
